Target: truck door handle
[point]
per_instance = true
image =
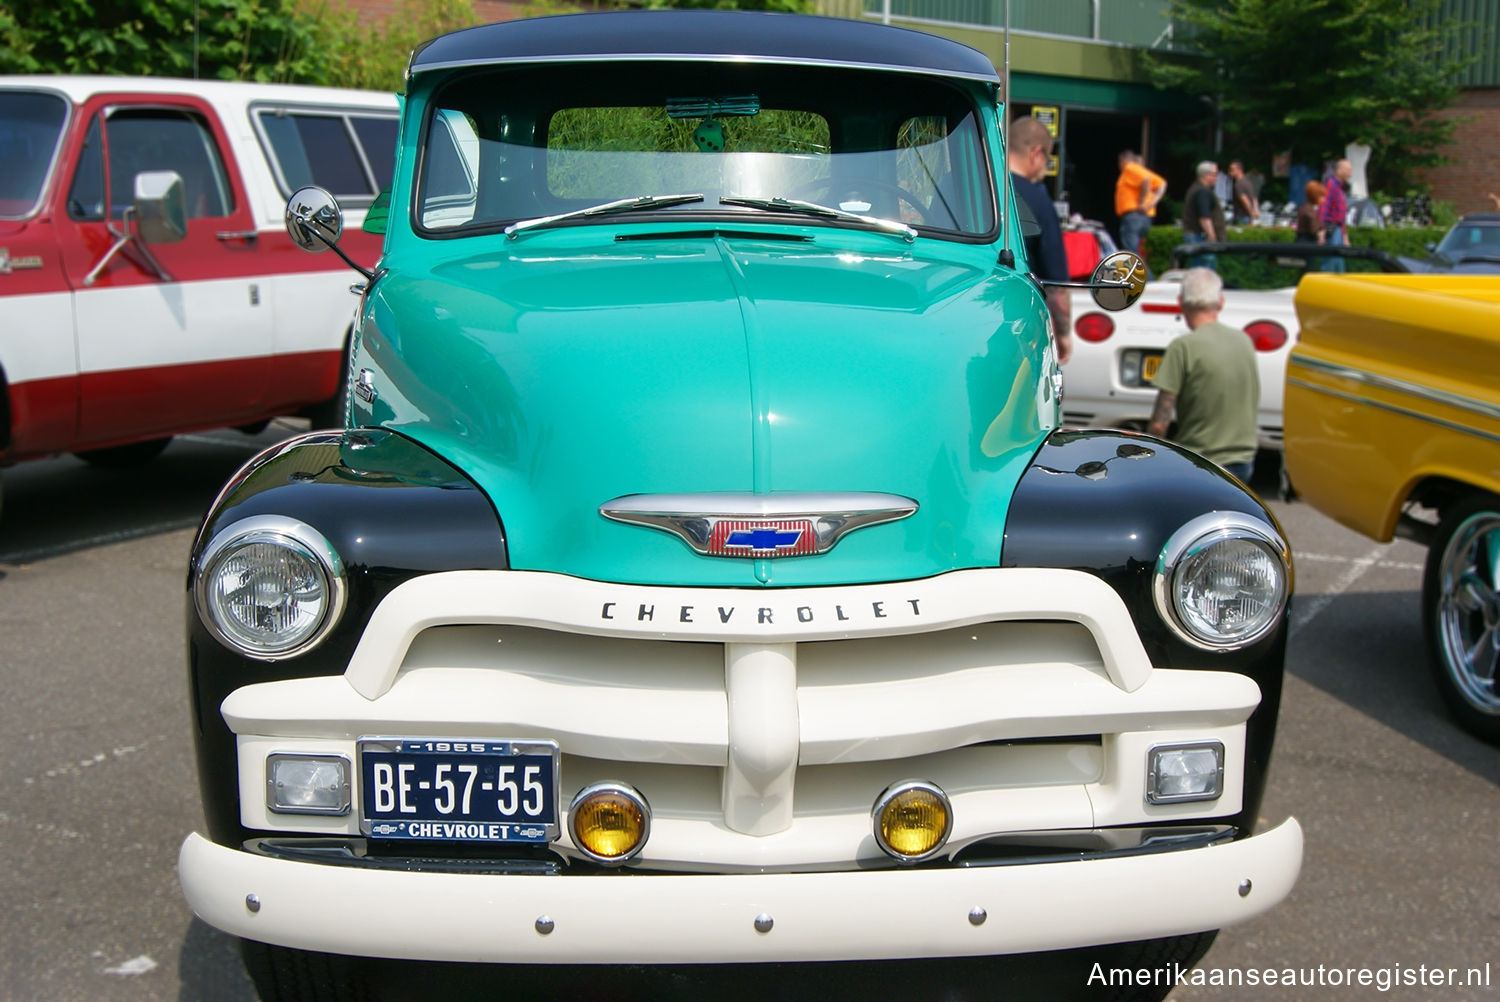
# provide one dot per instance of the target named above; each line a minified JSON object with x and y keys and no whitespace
{"x":238,"y":235}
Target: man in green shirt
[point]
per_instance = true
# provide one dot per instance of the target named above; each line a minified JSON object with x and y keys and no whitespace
{"x":1209,"y":376}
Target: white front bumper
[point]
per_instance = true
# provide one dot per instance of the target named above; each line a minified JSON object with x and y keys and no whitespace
{"x":667,"y":919}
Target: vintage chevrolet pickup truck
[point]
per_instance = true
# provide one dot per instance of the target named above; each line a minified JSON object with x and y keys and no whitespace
{"x":702,"y":579}
{"x":1393,"y":414}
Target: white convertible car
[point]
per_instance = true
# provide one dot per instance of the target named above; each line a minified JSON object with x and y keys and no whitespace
{"x":1107,"y":383}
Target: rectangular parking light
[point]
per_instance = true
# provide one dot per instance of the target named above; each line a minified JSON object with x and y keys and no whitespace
{"x":1178,"y":774}
{"x":307,"y":784}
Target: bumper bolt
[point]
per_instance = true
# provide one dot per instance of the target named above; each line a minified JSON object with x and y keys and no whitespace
{"x":252,"y":902}
{"x":764,"y":922}
{"x":545,"y":925}
{"x":977,"y":915}
{"x":1245,"y":888}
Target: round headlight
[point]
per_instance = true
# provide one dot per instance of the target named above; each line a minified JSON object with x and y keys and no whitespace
{"x":913,"y":819}
{"x":1222,"y":581}
{"x":609,"y":822}
{"x":270,"y":587}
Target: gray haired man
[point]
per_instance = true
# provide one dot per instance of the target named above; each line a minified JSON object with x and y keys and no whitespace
{"x":1210,"y":378}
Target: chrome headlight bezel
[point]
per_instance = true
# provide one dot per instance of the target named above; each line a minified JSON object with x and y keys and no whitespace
{"x":1204,"y":532}
{"x":287,"y":533}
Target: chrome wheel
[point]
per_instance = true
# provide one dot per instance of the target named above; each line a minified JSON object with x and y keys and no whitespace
{"x":1461,"y":612}
{"x":1468,"y":610}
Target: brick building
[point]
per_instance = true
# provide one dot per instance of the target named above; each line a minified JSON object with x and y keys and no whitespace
{"x":1475,"y":172}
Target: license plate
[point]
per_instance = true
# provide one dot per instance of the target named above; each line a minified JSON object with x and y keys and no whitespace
{"x":431,"y":789}
{"x":1149,"y":365}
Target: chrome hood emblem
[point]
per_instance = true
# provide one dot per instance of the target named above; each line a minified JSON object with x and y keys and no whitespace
{"x":741,"y":524}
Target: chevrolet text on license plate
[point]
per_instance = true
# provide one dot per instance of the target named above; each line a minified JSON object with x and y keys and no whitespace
{"x":445,"y":789}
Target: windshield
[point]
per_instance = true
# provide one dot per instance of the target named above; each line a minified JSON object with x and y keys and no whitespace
{"x":1472,"y":241}
{"x":541,"y":144}
{"x":30,"y":128}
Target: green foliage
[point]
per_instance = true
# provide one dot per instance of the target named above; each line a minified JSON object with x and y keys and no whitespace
{"x":374,"y":56}
{"x":284,"y":41}
{"x":227,"y":39}
{"x":787,"y":6}
{"x":582,"y":138}
{"x":1410,"y":241}
{"x":1313,"y":75}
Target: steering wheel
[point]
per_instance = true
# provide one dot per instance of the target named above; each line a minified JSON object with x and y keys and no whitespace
{"x":858,"y":191}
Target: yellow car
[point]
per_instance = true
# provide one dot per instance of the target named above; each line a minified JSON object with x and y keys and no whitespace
{"x":1392,"y":410}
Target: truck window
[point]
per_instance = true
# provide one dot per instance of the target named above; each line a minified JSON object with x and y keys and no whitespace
{"x":146,"y":139}
{"x":551,"y":140}
{"x":377,"y":138}
{"x":30,"y":128}
{"x":351,"y":156}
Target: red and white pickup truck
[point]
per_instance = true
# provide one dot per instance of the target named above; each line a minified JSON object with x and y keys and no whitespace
{"x":147,"y":284}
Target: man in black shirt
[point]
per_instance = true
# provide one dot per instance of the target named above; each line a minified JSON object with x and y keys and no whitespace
{"x":1202,"y":219}
{"x":1030,"y":147}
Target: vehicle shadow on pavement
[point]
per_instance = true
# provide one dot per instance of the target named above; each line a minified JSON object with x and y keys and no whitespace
{"x":63,"y":505}
{"x":1381,"y":634}
{"x":209,"y":967}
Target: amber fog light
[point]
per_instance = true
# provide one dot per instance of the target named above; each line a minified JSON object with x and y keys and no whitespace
{"x":913,"y":820}
{"x":609,"y":822}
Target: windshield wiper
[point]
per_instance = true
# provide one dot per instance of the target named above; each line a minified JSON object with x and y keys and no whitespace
{"x":799,"y":207}
{"x":607,"y":209}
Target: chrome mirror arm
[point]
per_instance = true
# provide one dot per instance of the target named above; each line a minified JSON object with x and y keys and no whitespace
{"x":124,"y":238}
{"x":304,"y":222}
{"x":1118,"y":281}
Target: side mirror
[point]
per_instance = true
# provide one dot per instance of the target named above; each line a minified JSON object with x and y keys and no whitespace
{"x":160,"y":207}
{"x":1119,"y":280}
{"x":313,"y":219}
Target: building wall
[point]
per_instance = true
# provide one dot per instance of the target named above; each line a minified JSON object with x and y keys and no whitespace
{"x":1475,"y":171}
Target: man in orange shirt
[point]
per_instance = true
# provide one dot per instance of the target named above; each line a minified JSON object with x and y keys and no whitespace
{"x":1136,"y":194}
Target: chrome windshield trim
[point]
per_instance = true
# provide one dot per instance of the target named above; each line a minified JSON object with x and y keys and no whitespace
{"x":706,"y":57}
{"x":693,"y":517}
{"x":1400,"y":386}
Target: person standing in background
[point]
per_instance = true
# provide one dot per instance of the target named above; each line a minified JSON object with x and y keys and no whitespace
{"x":1029,"y":149}
{"x":1245,"y":208}
{"x":1334,"y":212}
{"x":1309,"y":228}
{"x":1202,"y":219}
{"x":1137,"y":192}
{"x":1209,"y":377}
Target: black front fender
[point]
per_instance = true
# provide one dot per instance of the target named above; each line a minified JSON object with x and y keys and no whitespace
{"x":390,"y":508}
{"x":1107,"y":502}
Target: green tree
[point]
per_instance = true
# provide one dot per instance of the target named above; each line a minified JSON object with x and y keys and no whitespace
{"x":226,"y":39}
{"x":1310,"y":76}
{"x":373,"y":55}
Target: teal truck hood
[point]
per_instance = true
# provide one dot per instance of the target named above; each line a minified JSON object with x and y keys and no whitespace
{"x":560,"y":372}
